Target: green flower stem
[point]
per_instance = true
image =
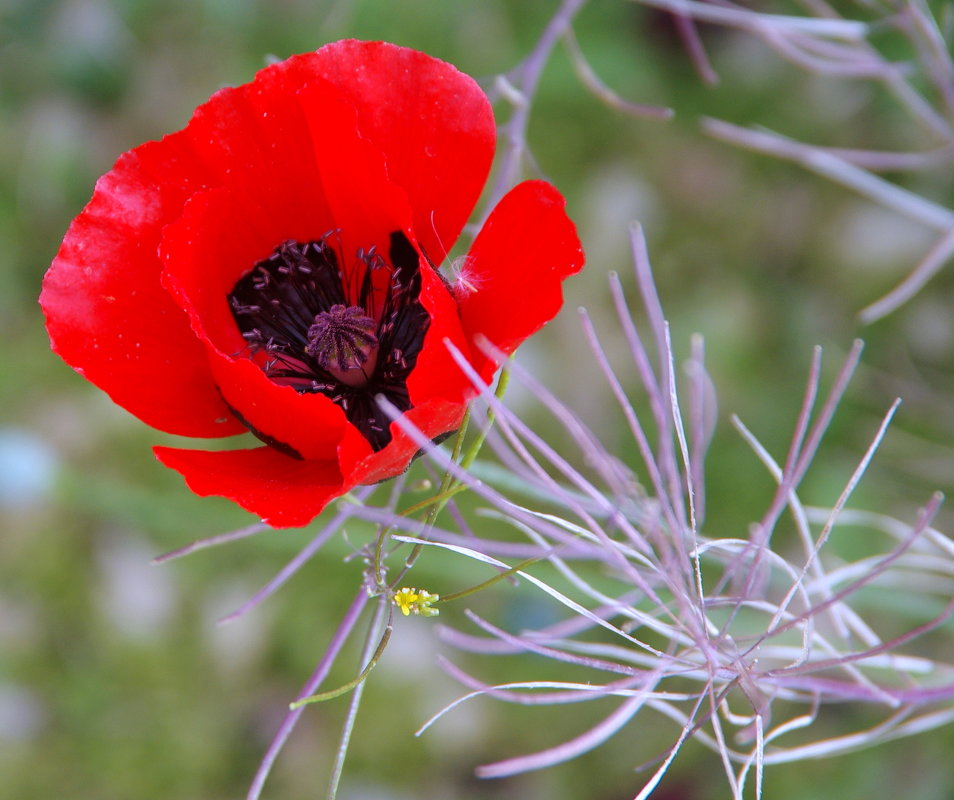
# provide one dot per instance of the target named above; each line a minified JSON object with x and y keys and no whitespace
{"x":372,"y":659}
{"x":491,"y":581}
{"x":502,"y":382}
{"x":449,"y":485}
{"x":344,"y":689}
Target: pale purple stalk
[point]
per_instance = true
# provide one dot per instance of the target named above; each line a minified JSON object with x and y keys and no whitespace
{"x":609,"y":97}
{"x":737,"y":16}
{"x":212,"y":541}
{"x":825,"y":44}
{"x":382,"y":618}
{"x":520,"y":88}
{"x":300,"y":559}
{"x":829,"y":164}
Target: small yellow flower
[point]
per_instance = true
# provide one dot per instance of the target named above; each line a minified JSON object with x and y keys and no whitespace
{"x":416,"y":601}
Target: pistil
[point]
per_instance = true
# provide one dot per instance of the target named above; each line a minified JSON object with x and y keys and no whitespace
{"x":342,"y":340}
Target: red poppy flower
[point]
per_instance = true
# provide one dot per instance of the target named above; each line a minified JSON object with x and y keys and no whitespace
{"x":272,"y":268}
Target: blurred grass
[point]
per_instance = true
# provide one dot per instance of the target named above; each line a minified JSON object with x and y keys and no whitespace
{"x":114,"y":682}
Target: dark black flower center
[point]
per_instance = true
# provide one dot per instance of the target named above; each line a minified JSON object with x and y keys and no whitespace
{"x":349,"y":329}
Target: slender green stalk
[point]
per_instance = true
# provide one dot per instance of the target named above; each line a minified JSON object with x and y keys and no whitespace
{"x":491,"y":581}
{"x":320,"y":697}
{"x":449,"y":486}
{"x":371,"y":659}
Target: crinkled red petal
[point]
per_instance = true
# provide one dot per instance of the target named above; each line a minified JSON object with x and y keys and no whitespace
{"x":511,"y":283}
{"x":433,"y":123}
{"x":436,"y":374}
{"x":201,"y":252}
{"x":360,"y":465}
{"x":365,"y":204}
{"x":107,"y":314}
{"x":283,"y":491}
{"x":255,"y":140}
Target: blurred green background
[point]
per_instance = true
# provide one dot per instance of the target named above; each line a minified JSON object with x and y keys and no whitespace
{"x":115,"y":682}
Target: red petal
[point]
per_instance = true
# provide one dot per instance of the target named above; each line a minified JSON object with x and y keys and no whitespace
{"x":511,"y":284}
{"x":360,"y":465}
{"x":255,"y":140}
{"x":436,"y":375}
{"x":286,"y":492}
{"x":283,"y":491}
{"x":434,"y":125}
{"x":205,"y":252}
{"x":365,"y":205}
{"x":107,"y":314}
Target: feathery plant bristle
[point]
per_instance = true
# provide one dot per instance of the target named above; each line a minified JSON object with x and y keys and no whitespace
{"x":770,"y":636}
